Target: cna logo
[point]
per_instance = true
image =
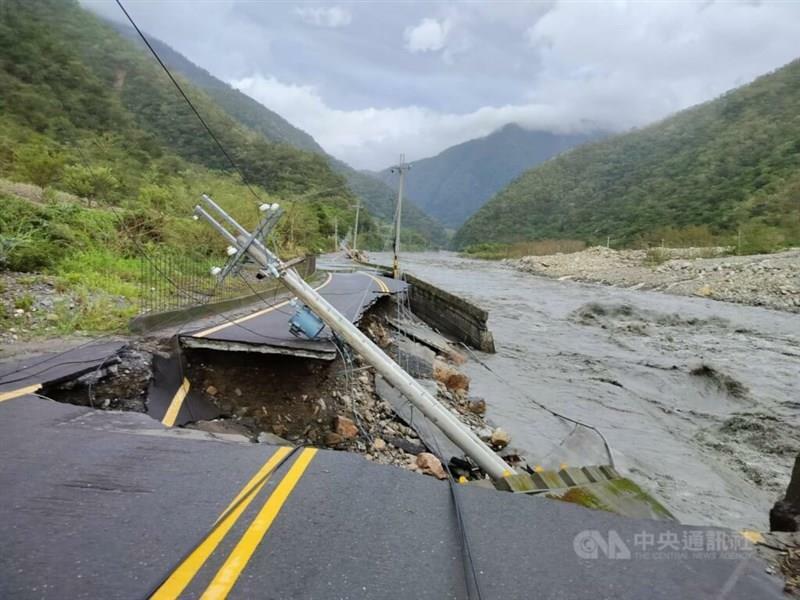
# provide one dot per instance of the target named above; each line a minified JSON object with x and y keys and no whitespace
{"x":592,"y":544}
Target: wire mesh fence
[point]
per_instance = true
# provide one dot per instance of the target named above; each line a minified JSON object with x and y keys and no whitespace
{"x":171,"y":281}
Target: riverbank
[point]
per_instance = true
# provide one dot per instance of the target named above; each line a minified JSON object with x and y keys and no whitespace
{"x":769,"y":280}
{"x":697,"y":399}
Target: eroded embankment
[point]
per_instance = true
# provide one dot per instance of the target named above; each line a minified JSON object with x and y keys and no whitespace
{"x":281,"y":399}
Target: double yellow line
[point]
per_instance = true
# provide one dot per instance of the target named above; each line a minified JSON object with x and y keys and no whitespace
{"x":381,"y":284}
{"x":240,"y":556}
{"x":30,"y":389}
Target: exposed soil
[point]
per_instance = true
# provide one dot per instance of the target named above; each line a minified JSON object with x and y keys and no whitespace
{"x":283,"y":399}
{"x":119,"y":384}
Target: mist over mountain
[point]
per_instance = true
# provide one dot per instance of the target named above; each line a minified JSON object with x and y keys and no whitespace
{"x":455,"y":183}
{"x":376,"y":196}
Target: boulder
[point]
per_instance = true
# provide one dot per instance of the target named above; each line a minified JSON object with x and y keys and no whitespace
{"x":345,"y":427}
{"x":500,"y":438}
{"x":450,"y":376}
{"x":333,"y":439}
{"x":430,"y":465}
{"x":378,"y":444}
{"x":785,"y":515}
{"x":476,"y":405}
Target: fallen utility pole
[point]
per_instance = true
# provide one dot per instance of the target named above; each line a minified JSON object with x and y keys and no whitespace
{"x":252,"y":245}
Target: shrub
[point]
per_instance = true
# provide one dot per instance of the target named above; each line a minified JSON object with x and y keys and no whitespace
{"x":24,"y":302}
{"x":38,"y":164}
{"x":656,"y":256}
{"x":757,"y":238}
{"x":92,"y":183}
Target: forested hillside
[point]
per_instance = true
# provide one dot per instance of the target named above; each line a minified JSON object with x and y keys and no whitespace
{"x":727,"y":167}
{"x":379,"y":199}
{"x":116,"y":160}
{"x":85,"y":111}
{"x":455,"y":183}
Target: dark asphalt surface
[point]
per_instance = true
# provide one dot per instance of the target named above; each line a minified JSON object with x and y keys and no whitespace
{"x":350,"y":293}
{"x":104,"y":505}
{"x":168,"y":379}
{"x":44,"y":369}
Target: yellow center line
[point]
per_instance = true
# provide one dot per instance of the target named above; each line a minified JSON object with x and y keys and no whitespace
{"x":19,"y":392}
{"x":217,"y":328}
{"x":183,"y":575}
{"x":230,"y":571}
{"x":175,"y":406}
{"x":383,"y":287}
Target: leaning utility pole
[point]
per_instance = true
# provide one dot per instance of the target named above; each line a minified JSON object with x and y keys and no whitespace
{"x":401,"y":169}
{"x":252,"y":244}
{"x":355,"y":227}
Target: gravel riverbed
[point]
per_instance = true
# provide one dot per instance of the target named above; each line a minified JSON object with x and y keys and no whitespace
{"x":770,"y":280}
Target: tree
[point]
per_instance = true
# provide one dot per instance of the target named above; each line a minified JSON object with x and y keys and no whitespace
{"x":91,"y":183}
{"x":38,"y":164}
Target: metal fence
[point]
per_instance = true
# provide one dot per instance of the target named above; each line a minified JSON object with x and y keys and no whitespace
{"x":170,"y":281}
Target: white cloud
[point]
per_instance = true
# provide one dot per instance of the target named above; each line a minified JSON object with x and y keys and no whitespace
{"x":576,"y":67}
{"x":334,"y":16}
{"x":430,"y":35}
{"x":656,"y":58}
{"x":373,"y":137}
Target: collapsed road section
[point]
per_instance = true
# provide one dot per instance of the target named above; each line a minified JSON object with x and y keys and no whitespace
{"x":114,"y":505}
{"x":179,"y":502}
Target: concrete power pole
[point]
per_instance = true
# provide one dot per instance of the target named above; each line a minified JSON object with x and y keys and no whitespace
{"x":252,"y":244}
{"x":401,"y":170}
{"x":335,"y":233}
{"x":355,"y":227}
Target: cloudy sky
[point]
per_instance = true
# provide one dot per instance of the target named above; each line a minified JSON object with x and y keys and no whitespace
{"x":372,"y":79}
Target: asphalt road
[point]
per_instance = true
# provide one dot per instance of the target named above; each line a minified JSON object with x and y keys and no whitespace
{"x":267,"y":328}
{"x":110,"y":505}
{"x":27,"y":375}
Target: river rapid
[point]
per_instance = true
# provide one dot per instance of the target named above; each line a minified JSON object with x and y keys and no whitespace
{"x":698,"y":399}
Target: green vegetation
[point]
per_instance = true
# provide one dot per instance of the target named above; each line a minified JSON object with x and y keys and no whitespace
{"x":497,"y":251}
{"x":102,"y":160}
{"x":455,"y":183}
{"x":727,"y":167}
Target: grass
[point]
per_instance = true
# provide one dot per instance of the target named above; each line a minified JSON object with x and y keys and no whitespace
{"x":24,"y":302}
{"x":656,"y":256}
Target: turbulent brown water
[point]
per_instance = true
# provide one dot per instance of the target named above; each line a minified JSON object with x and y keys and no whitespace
{"x":699,"y":399}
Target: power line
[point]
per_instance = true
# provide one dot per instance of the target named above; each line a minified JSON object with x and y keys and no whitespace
{"x":189,"y":102}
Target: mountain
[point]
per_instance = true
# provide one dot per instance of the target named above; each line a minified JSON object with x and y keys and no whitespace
{"x":379,"y":199}
{"x":84,"y":111}
{"x":723,"y":166}
{"x":455,"y":183}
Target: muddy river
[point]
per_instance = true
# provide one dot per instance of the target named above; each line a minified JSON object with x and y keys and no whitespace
{"x":699,"y":400}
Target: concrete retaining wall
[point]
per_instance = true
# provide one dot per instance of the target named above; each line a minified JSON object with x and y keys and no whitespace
{"x":447,"y":312}
{"x":450,"y":314}
{"x":305,"y":265}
